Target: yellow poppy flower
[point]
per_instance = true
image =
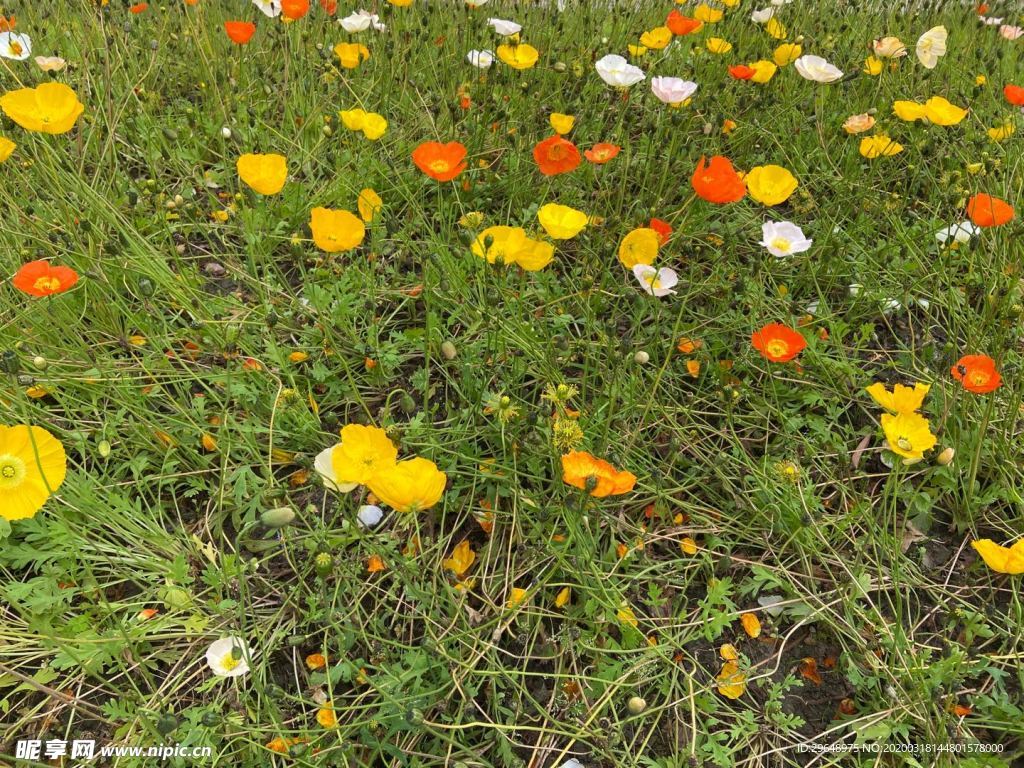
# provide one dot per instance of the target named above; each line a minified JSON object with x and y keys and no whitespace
{"x":941,"y":112}
{"x":516,"y":597}
{"x":1002,"y":133}
{"x":718,"y":45}
{"x":636,"y":51}
{"x":656,"y":38}
{"x":902,"y":399}
{"x":764,"y":71}
{"x":908,"y":435}
{"x":264,"y":174}
{"x":401,"y":3}
{"x":353,"y":119}
{"x":770,"y":184}
{"x":412,"y":485}
{"x":561,"y":124}
{"x":370,"y":124}
{"x":32,"y":466}
{"x":1001,"y":559}
{"x":6,"y":148}
{"x":369,"y":203}
{"x":462,"y":559}
{"x":731,"y":682}
{"x":499,"y":242}
{"x":639,"y":247}
{"x":707,"y":14}
{"x":908,"y":110}
{"x":522,"y":56}
{"x":534,"y":255}
{"x":49,"y":108}
{"x":873,"y":66}
{"x":335,"y":231}
{"x":561,"y":222}
{"x":879,"y":146}
{"x":787,"y":53}
{"x":351,"y":55}
{"x":363,"y":452}
{"x":775,"y":28}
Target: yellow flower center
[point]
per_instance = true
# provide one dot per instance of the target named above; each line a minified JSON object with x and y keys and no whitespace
{"x":439,"y":166}
{"x":16,"y":48}
{"x":12,"y":472}
{"x":780,"y":244}
{"x":229,"y":662}
{"x":777,"y":348}
{"x":47,"y":284}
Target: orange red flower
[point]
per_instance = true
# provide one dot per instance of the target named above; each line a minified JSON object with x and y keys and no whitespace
{"x":556,"y":155}
{"x":139,"y":8}
{"x":742,"y":72}
{"x":977,"y":373}
{"x":38,"y":278}
{"x":663,"y":228}
{"x":329,"y":6}
{"x":778,"y":343}
{"x":1014,"y":94}
{"x":682,"y":25}
{"x":988,"y":211}
{"x":240,"y":32}
{"x":717,"y":181}
{"x":602,"y":152}
{"x":596,"y":476}
{"x":294,"y":9}
{"x":441,"y":162}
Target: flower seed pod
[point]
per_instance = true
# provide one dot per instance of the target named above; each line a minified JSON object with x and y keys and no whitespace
{"x":641,"y":358}
{"x":946,"y":457}
{"x":636,"y":705}
{"x":278,"y":517}
{"x":448,"y":350}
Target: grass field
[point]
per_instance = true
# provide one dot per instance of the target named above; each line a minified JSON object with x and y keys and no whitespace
{"x":772,"y":558}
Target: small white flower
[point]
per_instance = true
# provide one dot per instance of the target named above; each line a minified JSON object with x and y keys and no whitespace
{"x":783,"y":238}
{"x":50,"y":63}
{"x":369,"y":515}
{"x":226,"y":132}
{"x":930,"y":46}
{"x":763,"y":16}
{"x":672,"y":90}
{"x":324,"y":466}
{"x":572,"y":763}
{"x":817,"y":69}
{"x":359,"y":21}
{"x":990,"y":20}
{"x":1011,"y":32}
{"x":777,"y":3}
{"x":616,"y":71}
{"x":271,"y":8}
{"x":505,"y":28}
{"x":229,"y":657}
{"x":15,"y":46}
{"x":891,"y":305}
{"x":481,"y":59}
{"x":657,"y":282}
{"x":854,"y":289}
{"x":961,"y":232}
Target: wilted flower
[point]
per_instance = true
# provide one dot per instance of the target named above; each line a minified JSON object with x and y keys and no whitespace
{"x":783,"y":238}
{"x":817,"y":69}
{"x":930,"y":46}
{"x":615,"y":70}
{"x":859,"y":123}
{"x":889,"y":48}
{"x":50,"y":63}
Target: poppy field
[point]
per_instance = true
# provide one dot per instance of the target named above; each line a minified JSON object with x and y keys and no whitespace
{"x":512,"y":385}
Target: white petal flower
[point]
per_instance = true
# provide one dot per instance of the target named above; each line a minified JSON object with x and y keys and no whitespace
{"x":930,"y":46}
{"x":481,"y":59}
{"x":361,"y":20}
{"x":505,"y":28}
{"x":15,"y":46}
{"x":271,"y":8}
{"x":783,"y":238}
{"x":763,"y":16}
{"x":616,"y":71}
{"x":990,"y":20}
{"x":961,"y":232}
{"x":817,"y":69}
{"x":369,"y":515}
{"x":657,"y":282}
{"x":854,"y":289}
{"x":229,"y":657}
{"x":325,"y":468}
{"x":672,"y":90}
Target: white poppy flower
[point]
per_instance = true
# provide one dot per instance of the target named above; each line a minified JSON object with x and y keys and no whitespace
{"x":991,"y":20}
{"x":763,"y":16}
{"x":817,"y":69}
{"x":505,"y":28}
{"x":369,"y":515}
{"x":1010,"y":32}
{"x":229,"y":657}
{"x":672,"y":90}
{"x":572,"y":763}
{"x":481,"y":59}
{"x":359,"y":21}
{"x":777,"y":3}
{"x":50,"y":63}
{"x":15,"y":46}
{"x":783,"y":238}
{"x":325,"y":468}
{"x":930,"y":46}
{"x":476,"y":3}
{"x":961,"y":232}
{"x":657,"y":282}
{"x":616,"y":71}
{"x":270,"y":8}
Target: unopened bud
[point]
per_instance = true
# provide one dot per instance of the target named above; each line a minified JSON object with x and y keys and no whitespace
{"x":636,"y":705}
{"x":946,"y":457}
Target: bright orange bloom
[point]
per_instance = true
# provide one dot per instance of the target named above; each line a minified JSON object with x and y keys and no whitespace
{"x":139,"y":7}
{"x":717,"y":181}
{"x":778,"y":343}
{"x":7,"y":24}
{"x":682,"y":25}
{"x":294,"y":9}
{"x":191,"y":2}
{"x":240,"y":31}
{"x":556,"y":155}
{"x":1014,"y":94}
{"x":596,"y":476}
{"x":988,"y":211}
{"x":38,"y":278}
{"x":330,"y":6}
{"x":663,"y":228}
{"x":977,"y":373}
{"x":441,"y":162}
{"x":742,"y":72}
{"x":602,"y":152}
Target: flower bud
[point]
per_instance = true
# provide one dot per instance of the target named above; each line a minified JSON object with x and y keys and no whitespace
{"x":641,"y":358}
{"x":636,"y":705}
{"x":278,"y":517}
{"x":448,"y":350}
{"x":946,"y":457}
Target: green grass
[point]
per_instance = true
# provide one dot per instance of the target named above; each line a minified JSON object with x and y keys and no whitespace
{"x":878,"y":581}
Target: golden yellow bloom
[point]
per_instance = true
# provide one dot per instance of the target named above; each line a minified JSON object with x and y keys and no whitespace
{"x":787,"y":53}
{"x":902,"y":399}
{"x":335,"y":231}
{"x":707,"y":14}
{"x":908,"y":435}
{"x":561,"y":124}
{"x":561,"y":222}
{"x":563,"y":597}
{"x":516,"y":597}
{"x":362,"y":453}
{"x":1001,"y":559}
{"x":1003,"y":132}
{"x":731,"y":682}
{"x":48,"y":108}
{"x":522,"y":56}
{"x":264,"y":174}
{"x":770,"y":184}
{"x":775,"y":28}
{"x":764,"y":71}
{"x":326,"y":717}
{"x":718,"y":45}
{"x":636,"y":51}
{"x":412,"y":485}
{"x":873,"y":66}
{"x":879,"y":146}
{"x":656,"y":38}
{"x":369,"y":204}
{"x":462,"y":559}
{"x":32,"y":466}
{"x":351,"y":55}
{"x":639,"y":247}
{"x":6,"y":148}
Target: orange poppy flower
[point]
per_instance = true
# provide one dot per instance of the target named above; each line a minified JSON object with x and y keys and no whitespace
{"x":38,"y":278}
{"x":717,"y":181}
{"x":330,"y":6}
{"x":778,"y":343}
{"x":139,"y":8}
{"x":294,"y":9}
{"x":441,"y":162}
{"x":240,"y":31}
{"x":988,"y":211}
{"x":602,"y":152}
{"x":663,"y":228}
{"x":682,"y":25}
{"x":1014,"y":94}
{"x":977,"y":373}
{"x":7,"y":24}
{"x":556,"y":155}
{"x":742,"y":72}
{"x":596,"y":476}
